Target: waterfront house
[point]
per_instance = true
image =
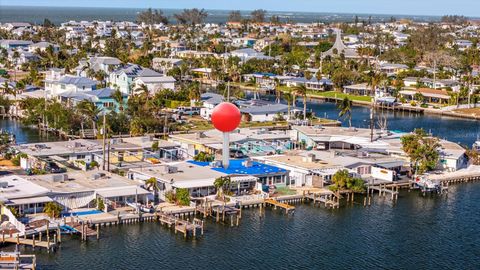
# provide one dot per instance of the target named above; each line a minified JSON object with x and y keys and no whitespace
{"x":257,"y":110}
{"x":21,"y":194}
{"x":312,"y":84}
{"x":362,"y":89}
{"x":123,"y":78}
{"x":102,"y":98}
{"x":56,"y":83}
{"x":198,"y":178}
{"x":304,"y":170}
{"x":435,"y":96}
{"x":437,"y":84}
{"x":79,"y":189}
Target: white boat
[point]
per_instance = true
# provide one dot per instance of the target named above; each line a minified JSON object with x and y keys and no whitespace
{"x":424,"y":183}
{"x":476,"y":146}
{"x":139,"y":207}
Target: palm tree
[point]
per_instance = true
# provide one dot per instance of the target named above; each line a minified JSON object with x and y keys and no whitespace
{"x":117,"y":95}
{"x":143,"y":89}
{"x":345,"y":107}
{"x":194,"y":93}
{"x":220,"y":184}
{"x":90,"y":111}
{"x":152,"y":183}
{"x":52,"y":209}
{"x":301,"y":90}
{"x":289,"y":98}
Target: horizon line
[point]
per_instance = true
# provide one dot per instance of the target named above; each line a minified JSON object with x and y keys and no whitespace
{"x":248,"y":10}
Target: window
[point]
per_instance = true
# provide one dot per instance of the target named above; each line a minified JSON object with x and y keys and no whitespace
{"x":107,"y":104}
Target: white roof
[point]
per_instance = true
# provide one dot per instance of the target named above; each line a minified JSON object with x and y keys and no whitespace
{"x":122,"y":191}
{"x":40,"y":199}
{"x":18,"y":187}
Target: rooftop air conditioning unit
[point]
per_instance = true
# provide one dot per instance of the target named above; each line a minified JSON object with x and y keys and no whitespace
{"x":58,"y":178}
{"x":3,"y":184}
{"x":98,"y":176}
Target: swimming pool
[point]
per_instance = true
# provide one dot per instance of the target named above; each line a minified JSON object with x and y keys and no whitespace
{"x":82,"y":213}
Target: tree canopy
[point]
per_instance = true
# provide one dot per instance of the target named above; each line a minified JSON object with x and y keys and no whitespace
{"x":151,"y":16}
{"x":422,"y":150}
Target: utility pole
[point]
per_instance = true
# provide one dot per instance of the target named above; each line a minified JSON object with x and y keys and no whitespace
{"x":104,"y":131}
{"x":435,"y":74}
{"x":108,"y":155}
{"x":372,"y":122}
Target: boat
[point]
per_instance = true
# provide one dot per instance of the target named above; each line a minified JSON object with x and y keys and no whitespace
{"x":141,"y":208}
{"x":476,"y":146}
{"x":16,"y":260}
{"x":426,"y":184}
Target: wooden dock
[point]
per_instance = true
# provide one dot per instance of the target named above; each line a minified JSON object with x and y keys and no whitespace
{"x":328,"y":199}
{"x":227,"y":212}
{"x":287,"y":207}
{"x":32,"y":242}
{"x":180,"y":225}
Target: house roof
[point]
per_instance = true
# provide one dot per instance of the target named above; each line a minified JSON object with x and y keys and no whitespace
{"x":79,"y":81}
{"x":160,"y":79}
{"x":132,"y":70}
{"x":237,"y":167}
{"x":103,"y":93}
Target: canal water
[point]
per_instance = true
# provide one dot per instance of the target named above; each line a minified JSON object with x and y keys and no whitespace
{"x":438,"y":232}
{"x":417,"y":233}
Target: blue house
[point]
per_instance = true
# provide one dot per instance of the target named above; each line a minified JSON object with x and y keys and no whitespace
{"x":102,"y":98}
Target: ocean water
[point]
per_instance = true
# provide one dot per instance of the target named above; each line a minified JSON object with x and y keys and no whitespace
{"x":62,"y":14}
{"x":438,"y":232}
{"x":432,"y":232}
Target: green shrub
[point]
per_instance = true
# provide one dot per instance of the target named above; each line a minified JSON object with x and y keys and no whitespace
{"x":183,"y":196}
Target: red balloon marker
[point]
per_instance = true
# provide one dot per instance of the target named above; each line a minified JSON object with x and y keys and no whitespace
{"x":226,"y":118}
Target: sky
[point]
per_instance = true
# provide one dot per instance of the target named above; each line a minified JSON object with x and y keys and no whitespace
{"x":404,"y":7}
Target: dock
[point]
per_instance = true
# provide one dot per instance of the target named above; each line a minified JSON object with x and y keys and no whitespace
{"x":180,"y":225}
{"x":15,"y":260}
{"x":32,"y":242}
{"x":328,"y":199}
{"x":287,"y":207}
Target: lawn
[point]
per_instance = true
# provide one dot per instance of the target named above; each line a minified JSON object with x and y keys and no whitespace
{"x":338,"y":95}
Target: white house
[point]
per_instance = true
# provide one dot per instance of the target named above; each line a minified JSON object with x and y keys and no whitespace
{"x":56,"y":83}
{"x":123,"y":78}
{"x":155,"y":84}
